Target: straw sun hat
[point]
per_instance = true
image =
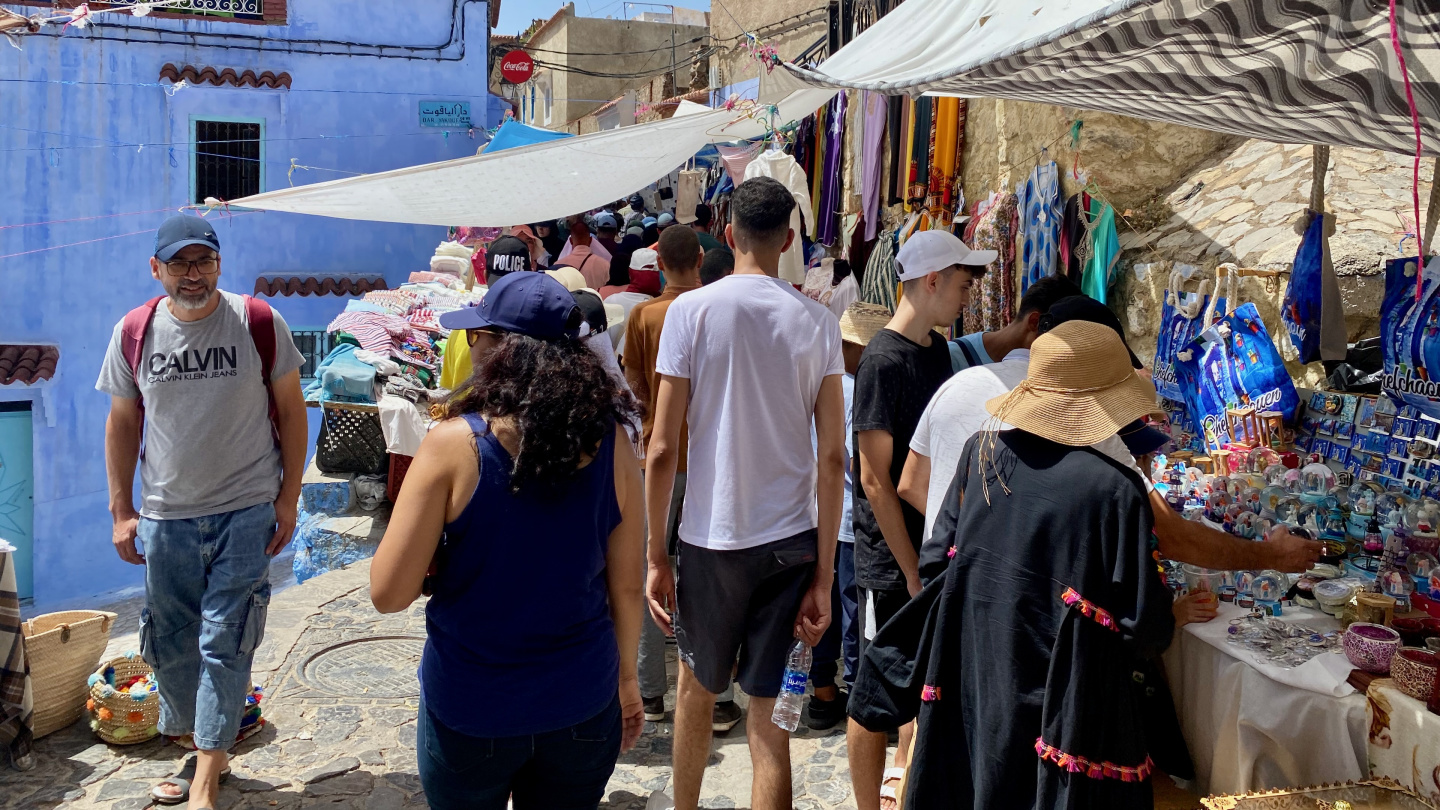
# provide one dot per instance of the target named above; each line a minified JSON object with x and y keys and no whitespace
{"x":1081,"y":387}
{"x":861,"y":321}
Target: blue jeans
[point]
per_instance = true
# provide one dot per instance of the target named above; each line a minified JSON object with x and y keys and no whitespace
{"x":842,"y":637}
{"x":557,"y":770}
{"x":207,"y":590}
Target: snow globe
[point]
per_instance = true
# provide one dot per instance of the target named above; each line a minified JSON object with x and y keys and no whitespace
{"x":1316,"y":481}
{"x":1251,"y":500}
{"x":1269,"y":588}
{"x":1250,"y":525}
{"x":1422,"y":519}
{"x":1216,"y":503}
{"x":1425,"y":570}
{"x":1390,"y":507}
{"x":1260,"y":459}
{"x":1270,"y":497}
{"x":1287,"y":509}
{"x":1395,"y":583}
{"x":1275,"y":474}
{"x":1364,"y":495}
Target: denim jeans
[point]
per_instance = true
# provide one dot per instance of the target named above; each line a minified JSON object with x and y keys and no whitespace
{"x":207,"y":590}
{"x":654,"y":681}
{"x":557,"y":770}
{"x":842,"y":637}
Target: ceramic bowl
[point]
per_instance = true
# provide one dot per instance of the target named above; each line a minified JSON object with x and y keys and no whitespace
{"x":1412,"y":631}
{"x":1371,"y":646}
{"x":1414,"y":671}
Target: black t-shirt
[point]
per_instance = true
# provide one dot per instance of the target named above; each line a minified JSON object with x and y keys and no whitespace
{"x":895,"y":381}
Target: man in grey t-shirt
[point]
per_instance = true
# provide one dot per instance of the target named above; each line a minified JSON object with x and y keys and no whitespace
{"x":220,"y":486}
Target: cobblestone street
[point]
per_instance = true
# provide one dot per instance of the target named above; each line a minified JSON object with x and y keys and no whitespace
{"x":341,"y":698}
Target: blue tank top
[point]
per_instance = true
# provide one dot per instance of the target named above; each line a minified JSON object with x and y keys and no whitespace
{"x":520,"y":637}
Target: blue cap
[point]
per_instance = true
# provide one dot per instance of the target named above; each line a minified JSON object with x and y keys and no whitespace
{"x":181,"y":232}
{"x":1142,"y":439}
{"x":647,"y":221}
{"x":605,"y":219}
{"x":665,"y":219}
{"x":530,"y":304}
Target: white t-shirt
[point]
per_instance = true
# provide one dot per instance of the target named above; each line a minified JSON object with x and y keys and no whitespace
{"x":627,"y":301}
{"x":755,"y":351}
{"x":957,"y":412}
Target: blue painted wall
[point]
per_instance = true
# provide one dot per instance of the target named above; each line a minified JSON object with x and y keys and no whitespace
{"x":75,"y":109}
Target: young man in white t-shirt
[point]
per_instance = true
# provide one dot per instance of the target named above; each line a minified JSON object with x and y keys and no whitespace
{"x":752,"y":364}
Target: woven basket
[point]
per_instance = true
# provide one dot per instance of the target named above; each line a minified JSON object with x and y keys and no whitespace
{"x":117,"y":718}
{"x":62,"y":649}
{"x":350,"y":440}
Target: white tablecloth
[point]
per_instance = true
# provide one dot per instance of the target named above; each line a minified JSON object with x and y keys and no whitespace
{"x":1251,"y":725}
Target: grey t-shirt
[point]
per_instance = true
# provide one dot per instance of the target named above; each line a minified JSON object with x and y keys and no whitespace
{"x":208,"y":445}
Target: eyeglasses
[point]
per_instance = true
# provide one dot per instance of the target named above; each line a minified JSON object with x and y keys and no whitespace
{"x":472,"y":336}
{"x":207,"y":266}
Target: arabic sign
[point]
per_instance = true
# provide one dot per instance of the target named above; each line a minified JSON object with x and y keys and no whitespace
{"x":445,"y":114}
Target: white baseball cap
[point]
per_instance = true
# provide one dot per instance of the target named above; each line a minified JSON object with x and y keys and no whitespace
{"x":644,"y":259}
{"x":932,"y":251}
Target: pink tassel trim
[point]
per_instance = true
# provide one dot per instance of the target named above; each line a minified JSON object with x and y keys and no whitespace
{"x":1094,"y":770}
{"x":930,"y":694}
{"x":951,"y":553}
{"x":1089,"y":609}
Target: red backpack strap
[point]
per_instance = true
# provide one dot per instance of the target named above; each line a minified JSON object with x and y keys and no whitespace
{"x":261,"y":320}
{"x":132,"y":335}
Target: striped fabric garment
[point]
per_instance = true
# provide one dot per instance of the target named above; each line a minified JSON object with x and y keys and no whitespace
{"x":376,"y":332}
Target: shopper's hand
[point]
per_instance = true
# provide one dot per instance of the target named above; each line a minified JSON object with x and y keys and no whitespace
{"x":1289,"y":553}
{"x":127,"y":527}
{"x":632,"y":713}
{"x":912,"y":584}
{"x":286,"y":513}
{"x":814,"y":616}
{"x":660,"y":596}
{"x":1196,"y":608}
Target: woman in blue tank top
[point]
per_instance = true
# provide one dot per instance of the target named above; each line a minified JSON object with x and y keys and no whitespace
{"x":525,"y":505}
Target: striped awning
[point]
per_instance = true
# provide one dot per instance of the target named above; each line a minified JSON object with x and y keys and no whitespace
{"x":1292,"y":71}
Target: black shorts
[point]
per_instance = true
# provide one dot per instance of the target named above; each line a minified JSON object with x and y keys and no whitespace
{"x":876,"y":607}
{"x":741,"y":603}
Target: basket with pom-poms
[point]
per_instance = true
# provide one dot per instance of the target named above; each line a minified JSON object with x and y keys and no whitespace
{"x":124,"y":701}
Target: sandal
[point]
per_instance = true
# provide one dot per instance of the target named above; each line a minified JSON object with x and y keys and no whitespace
{"x":180,"y":780}
{"x":888,"y":783}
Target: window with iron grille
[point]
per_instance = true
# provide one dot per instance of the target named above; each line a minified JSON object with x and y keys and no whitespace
{"x":313,"y":344}
{"x":233,"y":9}
{"x":227,"y":159}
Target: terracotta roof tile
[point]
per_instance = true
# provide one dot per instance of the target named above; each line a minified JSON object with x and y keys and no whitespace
{"x":228,"y":76}
{"x":318,"y":285}
{"x":27,"y":363}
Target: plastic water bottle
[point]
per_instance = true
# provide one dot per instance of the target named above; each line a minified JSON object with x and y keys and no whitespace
{"x":792,"y":689}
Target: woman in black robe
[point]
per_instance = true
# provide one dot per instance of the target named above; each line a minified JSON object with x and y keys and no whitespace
{"x":1027,"y":644}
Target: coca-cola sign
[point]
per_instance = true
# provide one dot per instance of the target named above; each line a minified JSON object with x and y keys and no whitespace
{"x":516,"y":67}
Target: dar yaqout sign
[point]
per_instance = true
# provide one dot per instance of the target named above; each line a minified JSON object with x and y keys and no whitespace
{"x":445,"y":114}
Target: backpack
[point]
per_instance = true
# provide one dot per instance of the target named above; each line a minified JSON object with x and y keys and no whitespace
{"x":258,"y":315}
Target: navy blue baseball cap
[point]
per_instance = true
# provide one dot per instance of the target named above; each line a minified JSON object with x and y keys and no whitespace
{"x":1142,"y":439}
{"x":181,"y":232}
{"x":530,"y":304}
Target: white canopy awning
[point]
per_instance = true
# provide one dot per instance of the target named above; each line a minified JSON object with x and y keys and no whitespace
{"x":1321,"y":71}
{"x":532,"y":183}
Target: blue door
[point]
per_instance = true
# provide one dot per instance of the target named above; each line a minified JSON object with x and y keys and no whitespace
{"x":17,"y":491}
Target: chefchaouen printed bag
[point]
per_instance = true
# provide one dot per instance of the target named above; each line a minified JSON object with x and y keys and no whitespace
{"x":1234,"y":364}
{"x":1410,"y":331}
{"x":1300,"y":311}
{"x":1180,"y":322}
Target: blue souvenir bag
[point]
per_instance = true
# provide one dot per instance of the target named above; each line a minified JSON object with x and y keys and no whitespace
{"x":1300,"y":311}
{"x":1410,"y":331}
{"x":1231,"y":365}
{"x":1180,"y":322}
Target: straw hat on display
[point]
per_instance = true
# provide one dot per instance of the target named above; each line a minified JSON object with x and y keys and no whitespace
{"x":861,"y":322}
{"x":1081,"y":387}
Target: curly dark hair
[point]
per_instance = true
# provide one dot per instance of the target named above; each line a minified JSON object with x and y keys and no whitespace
{"x":561,"y":397}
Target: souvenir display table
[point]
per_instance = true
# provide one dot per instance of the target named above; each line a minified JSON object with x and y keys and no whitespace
{"x":1251,"y":725}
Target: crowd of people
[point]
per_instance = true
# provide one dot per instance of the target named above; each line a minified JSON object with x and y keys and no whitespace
{"x":657,"y":437}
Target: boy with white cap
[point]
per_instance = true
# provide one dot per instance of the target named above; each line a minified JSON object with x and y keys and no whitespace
{"x":901,"y":369}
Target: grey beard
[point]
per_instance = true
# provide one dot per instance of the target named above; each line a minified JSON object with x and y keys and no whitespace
{"x":192,"y":301}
